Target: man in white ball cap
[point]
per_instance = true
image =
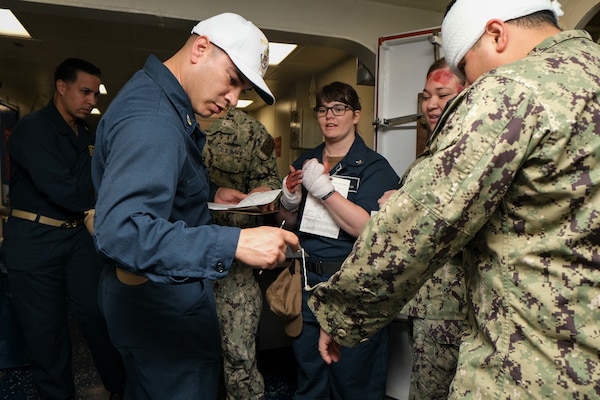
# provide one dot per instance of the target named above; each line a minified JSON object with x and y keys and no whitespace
{"x":511,"y":179}
{"x":152,"y":224}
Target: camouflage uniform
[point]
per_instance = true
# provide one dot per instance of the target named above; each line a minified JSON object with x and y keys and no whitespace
{"x":513,"y":181}
{"x":239,"y":154}
{"x":437,"y":321}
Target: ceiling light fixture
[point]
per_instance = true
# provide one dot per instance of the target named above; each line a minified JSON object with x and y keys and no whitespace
{"x":95,"y":111}
{"x":103,"y":89}
{"x":279,"y":51}
{"x":11,"y":26}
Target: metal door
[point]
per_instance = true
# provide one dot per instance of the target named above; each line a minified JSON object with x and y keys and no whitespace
{"x":402,"y":62}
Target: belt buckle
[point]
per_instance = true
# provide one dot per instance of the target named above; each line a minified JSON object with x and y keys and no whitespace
{"x":69,"y":224}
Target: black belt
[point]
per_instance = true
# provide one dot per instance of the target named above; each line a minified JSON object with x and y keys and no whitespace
{"x":323,"y":267}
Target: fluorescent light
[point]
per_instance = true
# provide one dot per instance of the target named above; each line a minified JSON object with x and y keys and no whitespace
{"x":103,"y":89}
{"x":95,"y":111}
{"x":11,"y":26}
{"x":244,"y":103}
{"x":279,"y":51}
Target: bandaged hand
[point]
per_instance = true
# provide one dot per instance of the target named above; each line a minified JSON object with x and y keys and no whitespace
{"x":290,"y":199}
{"x":315,"y":179}
{"x":88,"y":220}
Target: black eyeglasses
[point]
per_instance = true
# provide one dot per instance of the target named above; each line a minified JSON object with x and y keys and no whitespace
{"x":337,"y":110}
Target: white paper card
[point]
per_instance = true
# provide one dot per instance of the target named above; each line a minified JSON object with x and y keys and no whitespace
{"x":253,"y":200}
{"x":316,"y":218}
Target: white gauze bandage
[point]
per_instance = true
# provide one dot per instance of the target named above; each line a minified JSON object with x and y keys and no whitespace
{"x":465,"y":22}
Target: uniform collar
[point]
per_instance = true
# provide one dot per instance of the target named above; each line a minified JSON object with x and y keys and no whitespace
{"x":57,"y":119}
{"x":164,"y":78}
{"x":559,"y":38}
{"x":355,"y":157}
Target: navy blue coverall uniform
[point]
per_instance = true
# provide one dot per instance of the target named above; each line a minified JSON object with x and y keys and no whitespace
{"x":152,"y":220}
{"x":54,"y":269}
{"x":361,"y":372}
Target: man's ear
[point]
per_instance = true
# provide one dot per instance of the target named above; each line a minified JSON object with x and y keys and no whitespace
{"x":496,"y":30}
{"x":61,"y":86}
{"x":200,"y":48}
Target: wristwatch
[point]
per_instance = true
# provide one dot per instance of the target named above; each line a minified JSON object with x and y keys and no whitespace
{"x":328,"y":195}
{"x":293,"y":211}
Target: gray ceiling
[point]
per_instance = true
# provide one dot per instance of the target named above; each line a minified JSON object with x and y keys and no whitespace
{"x":119,"y":43}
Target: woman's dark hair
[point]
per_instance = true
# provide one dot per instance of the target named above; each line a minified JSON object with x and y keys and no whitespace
{"x":68,"y":69}
{"x":338,"y":91}
{"x":439,"y":64}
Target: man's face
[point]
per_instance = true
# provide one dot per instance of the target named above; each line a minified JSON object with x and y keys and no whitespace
{"x":78,"y":98}
{"x":216,"y":84}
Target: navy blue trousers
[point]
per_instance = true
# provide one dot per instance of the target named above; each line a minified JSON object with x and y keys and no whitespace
{"x":168,"y":336}
{"x":360,"y":374}
{"x":52,"y":271}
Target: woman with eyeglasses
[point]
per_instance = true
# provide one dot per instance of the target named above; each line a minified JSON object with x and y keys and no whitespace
{"x":328,"y":196}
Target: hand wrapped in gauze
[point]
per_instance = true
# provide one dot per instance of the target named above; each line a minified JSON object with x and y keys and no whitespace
{"x":315,"y":179}
{"x":291,"y":193}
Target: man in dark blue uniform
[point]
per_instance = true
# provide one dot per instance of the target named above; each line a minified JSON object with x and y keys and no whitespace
{"x":50,"y":256}
{"x":153,"y":226}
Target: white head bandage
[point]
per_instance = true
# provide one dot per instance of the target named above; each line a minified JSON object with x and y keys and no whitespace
{"x":465,"y":22}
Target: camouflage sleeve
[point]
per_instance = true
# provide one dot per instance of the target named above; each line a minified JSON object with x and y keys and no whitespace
{"x":443,"y":296}
{"x":444,"y":201}
{"x":263,"y":167}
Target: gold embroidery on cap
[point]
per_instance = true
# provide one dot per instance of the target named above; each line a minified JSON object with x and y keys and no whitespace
{"x":264,"y":62}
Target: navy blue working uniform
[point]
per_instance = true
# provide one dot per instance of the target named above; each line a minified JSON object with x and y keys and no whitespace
{"x":152,"y":220}
{"x":49,"y":267}
{"x":362,"y":370}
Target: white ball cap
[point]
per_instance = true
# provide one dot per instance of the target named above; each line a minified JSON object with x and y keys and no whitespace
{"x":244,"y":43}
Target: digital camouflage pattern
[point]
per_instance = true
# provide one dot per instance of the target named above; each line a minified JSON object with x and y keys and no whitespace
{"x":513,"y":181}
{"x":435,"y":353}
{"x":239,"y":303}
{"x":443,"y":296}
{"x":239,"y":154}
{"x":438,"y":314}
